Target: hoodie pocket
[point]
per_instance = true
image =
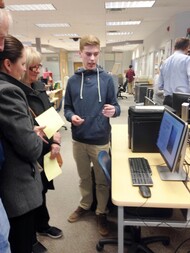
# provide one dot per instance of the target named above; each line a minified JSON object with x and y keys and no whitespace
{"x":93,"y":128}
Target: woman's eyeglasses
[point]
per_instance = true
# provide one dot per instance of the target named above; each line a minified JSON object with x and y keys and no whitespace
{"x":35,"y":68}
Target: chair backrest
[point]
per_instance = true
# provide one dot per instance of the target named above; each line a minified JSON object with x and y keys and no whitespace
{"x":122,"y":87}
{"x":105,"y":163}
{"x":125,"y":85}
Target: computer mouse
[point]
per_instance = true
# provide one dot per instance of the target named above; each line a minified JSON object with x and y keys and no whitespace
{"x":145,"y":191}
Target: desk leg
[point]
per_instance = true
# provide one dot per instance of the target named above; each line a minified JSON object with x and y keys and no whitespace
{"x":120,"y":229}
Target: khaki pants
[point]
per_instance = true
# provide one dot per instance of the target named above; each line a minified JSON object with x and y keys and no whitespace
{"x":130,"y":87}
{"x":86,"y":155}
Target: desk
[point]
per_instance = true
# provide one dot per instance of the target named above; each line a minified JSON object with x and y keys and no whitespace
{"x":164,"y":194}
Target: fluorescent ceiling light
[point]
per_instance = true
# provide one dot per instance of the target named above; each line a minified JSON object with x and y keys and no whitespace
{"x":66,"y":35}
{"x":27,"y":43}
{"x":129,"y":4}
{"x":119,"y":33}
{"x":53,"y":25}
{"x":31,"y":7}
{"x":123,"y":23}
{"x":18,"y":36}
{"x":124,"y":47}
{"x":115,"y":41}
{"x":45,"y":50}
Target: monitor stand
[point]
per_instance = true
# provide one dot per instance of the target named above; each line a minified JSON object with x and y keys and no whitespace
{"x":167,"y":175}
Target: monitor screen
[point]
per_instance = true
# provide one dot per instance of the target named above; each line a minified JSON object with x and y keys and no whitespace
{"x":171,"y":142}
{"x":178,"y":99}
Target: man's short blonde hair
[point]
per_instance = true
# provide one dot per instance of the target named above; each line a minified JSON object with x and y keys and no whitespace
{"x":89,"y":40}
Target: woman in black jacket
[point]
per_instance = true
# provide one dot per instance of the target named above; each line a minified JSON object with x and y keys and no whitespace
{"x":20,"y":181}
{"x":39,"y":102}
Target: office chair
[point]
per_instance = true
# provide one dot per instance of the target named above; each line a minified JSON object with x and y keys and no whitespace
{"x":59,"y":109}
{"x":135,"y":243}
{"x":122,"y":88}
{"x":105,"y":163}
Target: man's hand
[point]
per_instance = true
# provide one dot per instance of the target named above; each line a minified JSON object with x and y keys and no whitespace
{"x":108,"y":111}
{"x":76,"y":120}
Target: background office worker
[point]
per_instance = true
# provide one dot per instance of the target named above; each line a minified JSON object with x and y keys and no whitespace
{"x":5,"y":21}
{"x":175,"y":71}
{"x":39,"y":102}
{"x":20,"y":181}
{"x":130,"y":74}
{"x":90,"y":101}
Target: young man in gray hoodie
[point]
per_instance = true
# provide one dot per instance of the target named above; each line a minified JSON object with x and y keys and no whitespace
{"x":90,"y":101}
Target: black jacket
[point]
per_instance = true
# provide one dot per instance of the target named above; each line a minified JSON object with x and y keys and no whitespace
{"x":39,"y":102}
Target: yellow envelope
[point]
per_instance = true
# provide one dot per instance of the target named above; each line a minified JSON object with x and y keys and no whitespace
{"x":52,"y":120}
{"x":51,"y":167}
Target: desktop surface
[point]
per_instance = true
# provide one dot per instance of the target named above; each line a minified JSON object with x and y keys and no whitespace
{"x":163,"y":193}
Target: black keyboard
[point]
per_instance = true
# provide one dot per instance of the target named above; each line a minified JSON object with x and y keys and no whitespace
{"x":140,"y":171}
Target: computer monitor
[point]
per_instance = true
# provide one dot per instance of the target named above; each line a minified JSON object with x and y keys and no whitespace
{"x":178,"y":99}
{"x":171,"y":143}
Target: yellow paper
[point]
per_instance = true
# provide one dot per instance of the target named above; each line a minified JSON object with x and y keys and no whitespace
{"x":51,"y":167}
{"x":52,"y":120}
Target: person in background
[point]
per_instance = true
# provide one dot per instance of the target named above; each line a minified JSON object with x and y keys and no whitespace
{"x":130,"y":73}
{"x":158,"y":95}
{"x":20,"y":181}
{"x":48,"y":78}
{"x":90,"y":101}
{"x":5,"y":22}
{"x":175,"y":71}
{"x":39,"y":102}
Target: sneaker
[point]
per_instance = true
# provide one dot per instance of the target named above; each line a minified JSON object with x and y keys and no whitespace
{"x":38,"y":248}
{"x":52,"y":232}
{"x":102,"y":224}
{"x":78,"y":213}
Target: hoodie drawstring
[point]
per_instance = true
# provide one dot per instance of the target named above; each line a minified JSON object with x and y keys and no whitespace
{"x":82,"y":84}
{"x":98,"y":80}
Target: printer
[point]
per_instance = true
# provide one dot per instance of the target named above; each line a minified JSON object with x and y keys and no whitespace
{"x":143,"y":127}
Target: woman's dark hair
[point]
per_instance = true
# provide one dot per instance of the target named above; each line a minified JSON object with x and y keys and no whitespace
{"x":13,"y":49}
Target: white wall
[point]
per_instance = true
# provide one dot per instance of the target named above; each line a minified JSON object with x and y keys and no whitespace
{"x":160,"y":40}
{"x":182,"y":22}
